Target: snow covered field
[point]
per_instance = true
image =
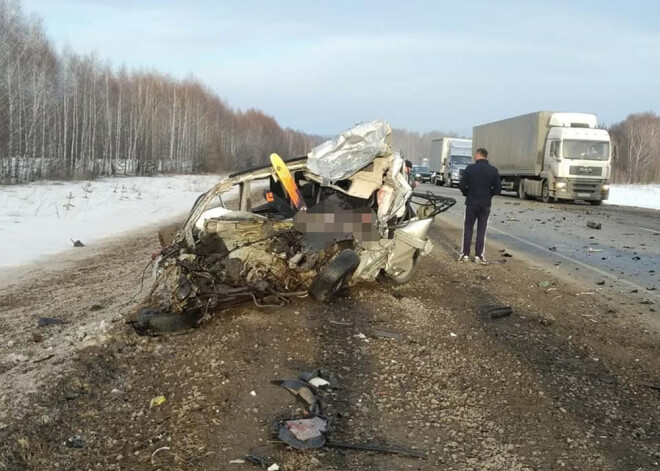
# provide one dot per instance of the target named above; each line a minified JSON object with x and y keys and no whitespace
{"x":41,"y":218}
{"x":643,"y":196}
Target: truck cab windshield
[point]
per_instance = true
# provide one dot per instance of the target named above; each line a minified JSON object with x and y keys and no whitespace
{"x":461,"y":159}
{"x":586,"y":150}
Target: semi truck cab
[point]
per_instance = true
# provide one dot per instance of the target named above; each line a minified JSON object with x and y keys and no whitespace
{"x":455,"y":167}
{"x":577,"y":158}
{"x":459,"y":156}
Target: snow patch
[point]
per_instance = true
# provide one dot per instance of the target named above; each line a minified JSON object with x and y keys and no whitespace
{"x":643,"y":196}
{"x":41,"y":218}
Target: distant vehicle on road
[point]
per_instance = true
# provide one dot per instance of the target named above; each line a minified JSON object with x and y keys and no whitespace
{"x":421,"y":173}
{"x":449,"y":157}
{"x":550,"y":155}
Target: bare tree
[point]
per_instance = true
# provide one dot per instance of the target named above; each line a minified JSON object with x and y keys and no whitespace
{"x":638,"y":147}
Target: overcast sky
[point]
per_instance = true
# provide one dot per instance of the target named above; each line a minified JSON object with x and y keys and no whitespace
{"x":322,"y":66}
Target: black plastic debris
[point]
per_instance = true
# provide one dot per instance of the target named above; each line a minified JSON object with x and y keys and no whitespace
{"x":594,"y":225}
{"x":303,"y":434}
{"x":45,"y":321}
{"x":376,"y":447}
{"x":495,"y":312}
{"x":552,"y":249}
{"x":262,"y":461}
{"x":600,"y":283}
{"x":75,"y":442}
{"x":301,"y":391}
{"x":77,"y":243}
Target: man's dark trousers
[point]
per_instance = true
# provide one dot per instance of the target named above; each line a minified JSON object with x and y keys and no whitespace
{"x":480,"y":215}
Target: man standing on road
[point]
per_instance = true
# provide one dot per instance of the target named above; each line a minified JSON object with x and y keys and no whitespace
{"x":479,"y":183}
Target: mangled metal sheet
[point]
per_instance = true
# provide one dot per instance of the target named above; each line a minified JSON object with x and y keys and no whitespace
{"x":352,"y":150}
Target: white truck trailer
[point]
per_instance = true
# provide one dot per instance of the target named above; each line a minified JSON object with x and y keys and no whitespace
{"x":549,"y":155}
{"x":449,"y":157}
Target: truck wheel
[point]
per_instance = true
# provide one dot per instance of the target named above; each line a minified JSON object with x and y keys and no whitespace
{"x":334,"y":276}
{"x":521,"y":190}
{"x":545,"y":192}
{"x":596,"y":203}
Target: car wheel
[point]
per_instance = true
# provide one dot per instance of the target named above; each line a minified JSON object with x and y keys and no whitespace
{"x":334,"y":276}
{"x":403,"y":277}
{"x":152,"y":322}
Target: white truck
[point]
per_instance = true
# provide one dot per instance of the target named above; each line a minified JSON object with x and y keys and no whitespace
{"x":449,"y":157}
{"x":549,"y":155}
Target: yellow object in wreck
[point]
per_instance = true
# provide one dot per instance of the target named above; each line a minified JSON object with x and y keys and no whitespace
{"x":288,"y":182}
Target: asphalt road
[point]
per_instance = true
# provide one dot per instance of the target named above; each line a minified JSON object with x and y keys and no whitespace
{"x":624,"y":253}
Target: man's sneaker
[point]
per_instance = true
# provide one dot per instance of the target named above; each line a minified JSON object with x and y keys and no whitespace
{"x":463,"y":258}
{"x":480,"y":260}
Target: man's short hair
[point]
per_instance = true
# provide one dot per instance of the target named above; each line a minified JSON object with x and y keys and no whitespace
{"x":408,"y":163}
{"x":483,"y":152}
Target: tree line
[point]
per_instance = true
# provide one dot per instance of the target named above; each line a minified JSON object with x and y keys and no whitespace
{"x":416,"y":146}
{"x":637,"y":140}
{"x":67,"y":115}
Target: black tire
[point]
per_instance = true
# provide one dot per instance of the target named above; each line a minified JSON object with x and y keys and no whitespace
{"x":401,"y":278}
{"x":521,"y":190}
{"x":152,"y":322}
{"x":545,"y":192}
{"x":596,"y":202}
{"x":334,"y":276}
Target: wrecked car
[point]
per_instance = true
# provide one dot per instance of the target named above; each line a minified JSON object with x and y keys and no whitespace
{"x":343,"y":214}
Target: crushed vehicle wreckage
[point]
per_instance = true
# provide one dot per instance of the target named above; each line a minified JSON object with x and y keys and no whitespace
{"x":344,"y":213}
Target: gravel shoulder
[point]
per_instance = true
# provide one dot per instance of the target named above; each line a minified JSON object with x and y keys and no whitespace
{"x":566,"y":382}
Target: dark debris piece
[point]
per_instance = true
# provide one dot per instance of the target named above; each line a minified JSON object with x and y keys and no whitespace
{"x":376,"y":447}
{"x":75,"y":442}
{"x":594,"y":225}
{"x":495,"y":312}
{"x":315,"y":436}
{"x":262,"y":461}
{"x":301,"y":391}
{"x":44,"y":321}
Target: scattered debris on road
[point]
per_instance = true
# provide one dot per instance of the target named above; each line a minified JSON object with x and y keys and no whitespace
{"x":594,"y":225}
{"x":156,"y":401}
{"x":496,"y":312}
{"x":77,"y":441}
{"x":77,"y":243}
{"x":311,"y":429}
{"x":46,"y":321}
